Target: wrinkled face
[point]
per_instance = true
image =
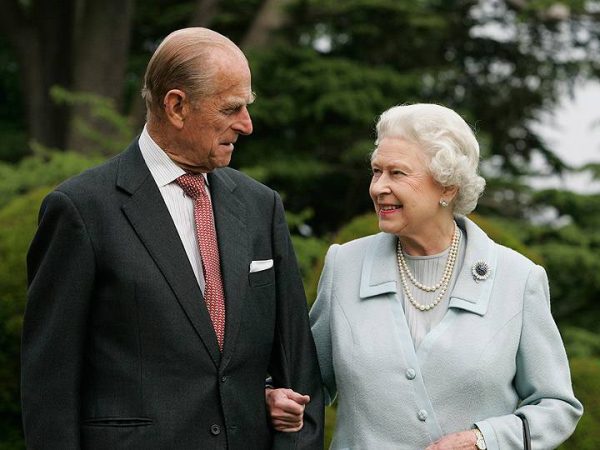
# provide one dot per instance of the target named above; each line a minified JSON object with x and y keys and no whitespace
{"x":405,"y":195}
{"x":215,"y":122}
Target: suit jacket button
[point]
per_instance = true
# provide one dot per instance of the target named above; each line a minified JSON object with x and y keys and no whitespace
{"x":215,"y":429}
{"x":411,"y":374}
{"x":422,"y":415}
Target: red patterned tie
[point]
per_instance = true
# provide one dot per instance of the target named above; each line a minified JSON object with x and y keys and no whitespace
{"x":193,"y":186}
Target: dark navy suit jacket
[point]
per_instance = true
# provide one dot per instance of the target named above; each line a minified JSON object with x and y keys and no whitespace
{"x":118,"y":348}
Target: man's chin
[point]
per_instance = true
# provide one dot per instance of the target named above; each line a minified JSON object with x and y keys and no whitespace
{"x":205,"y":166}
{"x":219,"y":163}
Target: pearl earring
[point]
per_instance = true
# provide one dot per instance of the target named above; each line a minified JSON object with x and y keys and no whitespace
{"x":443,"y":203}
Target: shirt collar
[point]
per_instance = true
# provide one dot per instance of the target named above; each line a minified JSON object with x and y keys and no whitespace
{"x":163,"y":169}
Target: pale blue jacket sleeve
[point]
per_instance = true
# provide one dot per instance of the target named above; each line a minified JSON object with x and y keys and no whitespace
{"x":320,"y":322}
{"x":542,"y":379}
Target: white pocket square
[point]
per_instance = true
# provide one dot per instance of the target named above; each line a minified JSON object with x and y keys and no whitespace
{"x":259,"y":266}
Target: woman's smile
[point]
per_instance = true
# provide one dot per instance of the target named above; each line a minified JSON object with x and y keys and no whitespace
{"x":386,"y":209}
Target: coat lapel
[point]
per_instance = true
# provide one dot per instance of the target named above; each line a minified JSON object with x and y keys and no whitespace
{"x":469,"y":294}
{"x":150,"y":218}
{"x":379,"y":267}
{"x":232,"y":234}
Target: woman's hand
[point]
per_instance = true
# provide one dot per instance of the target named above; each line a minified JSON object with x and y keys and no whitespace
{"x":464,"y":440}
{"x":286,"y":409}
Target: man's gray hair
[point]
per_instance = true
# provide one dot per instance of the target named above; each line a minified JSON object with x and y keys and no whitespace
{"x":186,"y":60}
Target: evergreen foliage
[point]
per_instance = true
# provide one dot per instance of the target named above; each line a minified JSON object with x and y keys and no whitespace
{"x":45,"y":169}
{"x":17,"y":226}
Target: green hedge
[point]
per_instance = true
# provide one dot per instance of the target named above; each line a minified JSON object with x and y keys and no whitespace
{"x":586,"y":383}
{"x":18,"y":221}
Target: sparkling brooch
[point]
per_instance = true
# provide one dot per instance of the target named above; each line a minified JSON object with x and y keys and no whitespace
{"x":481,"y":270}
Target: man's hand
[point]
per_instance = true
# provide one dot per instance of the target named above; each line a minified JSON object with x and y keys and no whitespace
{"x":464,"y":440}
{"x":286,"y":409}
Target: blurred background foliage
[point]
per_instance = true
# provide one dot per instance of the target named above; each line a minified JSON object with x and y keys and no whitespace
{"x":71,"y":71}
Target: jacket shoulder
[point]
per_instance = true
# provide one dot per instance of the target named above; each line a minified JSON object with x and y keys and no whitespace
{"x":356,"y":247}
{"x":362,"y":241}
{"x":93,"y":178}
{"x":506,"y":257}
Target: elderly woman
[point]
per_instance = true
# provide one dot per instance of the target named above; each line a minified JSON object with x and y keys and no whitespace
{"x":431,"y":334}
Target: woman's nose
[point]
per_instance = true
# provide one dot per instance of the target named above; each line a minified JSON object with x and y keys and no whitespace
{"x":380,"y":185}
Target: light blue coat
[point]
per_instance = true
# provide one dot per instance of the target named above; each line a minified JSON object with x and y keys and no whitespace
{"x":496,"y":351}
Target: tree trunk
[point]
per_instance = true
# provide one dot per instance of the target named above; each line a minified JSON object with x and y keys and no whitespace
{"x":41,"y":38}
{"x":101,"y":50}
{"x":270,"y":17}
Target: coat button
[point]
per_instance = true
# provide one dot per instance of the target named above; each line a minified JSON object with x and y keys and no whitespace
{"x":223,"y":379}
{"x":411,"y":374}
{"x":215,"y":429}
{"x":422,"y":415}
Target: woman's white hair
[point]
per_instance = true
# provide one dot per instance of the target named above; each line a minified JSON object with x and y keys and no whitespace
{"x":448,"y":143}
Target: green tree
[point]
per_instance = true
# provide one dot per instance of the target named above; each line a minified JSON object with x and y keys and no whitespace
{"x":337,"y":65}
{"x":98,"y":48}
{"x":77,"y":44}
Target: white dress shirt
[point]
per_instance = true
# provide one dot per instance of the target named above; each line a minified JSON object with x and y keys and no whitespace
{"x":180,"y":206}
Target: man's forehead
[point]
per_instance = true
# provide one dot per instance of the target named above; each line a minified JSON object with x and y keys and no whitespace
{"x":234,"y":85}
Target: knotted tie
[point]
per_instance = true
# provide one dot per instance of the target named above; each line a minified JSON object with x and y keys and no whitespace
{"x":193,"y":186}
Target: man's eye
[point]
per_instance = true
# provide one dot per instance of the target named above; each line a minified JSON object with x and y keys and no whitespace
{"x":232,"y":110}
{"x":375,"y":171}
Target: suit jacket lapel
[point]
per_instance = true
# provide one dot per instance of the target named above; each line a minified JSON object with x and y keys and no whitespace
{"x":150,"y":218}
{"x":230,"y":222}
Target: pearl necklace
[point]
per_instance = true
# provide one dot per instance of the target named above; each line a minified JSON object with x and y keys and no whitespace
{"x":442,"y":284}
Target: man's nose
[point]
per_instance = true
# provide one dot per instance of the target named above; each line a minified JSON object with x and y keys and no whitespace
{"x":244,"y":123}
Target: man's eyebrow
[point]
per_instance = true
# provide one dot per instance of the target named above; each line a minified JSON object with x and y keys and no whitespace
{"x":237,"y":102}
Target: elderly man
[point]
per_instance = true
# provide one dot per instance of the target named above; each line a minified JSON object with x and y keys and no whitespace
{"x":163,"y":285}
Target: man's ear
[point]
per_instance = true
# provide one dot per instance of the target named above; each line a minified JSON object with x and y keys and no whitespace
{"x":176,"y":107}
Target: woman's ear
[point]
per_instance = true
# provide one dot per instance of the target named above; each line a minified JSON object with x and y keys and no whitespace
{"x":176,"y":107}
{"x":449,"y":193}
